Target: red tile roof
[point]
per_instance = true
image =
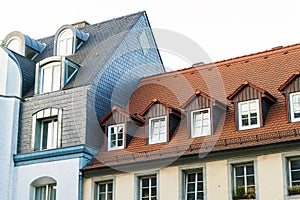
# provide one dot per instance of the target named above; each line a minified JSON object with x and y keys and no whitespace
{"x":266,"y":71}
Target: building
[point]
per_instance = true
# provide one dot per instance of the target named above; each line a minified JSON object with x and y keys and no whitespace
{"x":53,"y":92}
{"x":225,"y":130}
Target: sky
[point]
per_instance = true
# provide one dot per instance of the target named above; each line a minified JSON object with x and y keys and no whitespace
{"x":222,"y":28}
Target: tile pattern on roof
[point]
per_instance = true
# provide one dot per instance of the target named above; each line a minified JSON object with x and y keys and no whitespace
{"x":266,"y":70}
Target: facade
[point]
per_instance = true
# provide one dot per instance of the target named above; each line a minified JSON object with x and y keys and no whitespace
{"x":63,"y":85}
{"x":225,"y":130}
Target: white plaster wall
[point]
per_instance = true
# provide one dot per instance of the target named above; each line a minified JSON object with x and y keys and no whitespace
{"x":10,"y":85}
{"x":217,"y":180}
{"x":65,"y":172}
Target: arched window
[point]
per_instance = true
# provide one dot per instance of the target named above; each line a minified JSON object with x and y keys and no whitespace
{"x":65,"y":43}
{"x":50,"y":77}
{"x":44,"y":188}
{"x":46,"y":126}
{"x":14,"y":44}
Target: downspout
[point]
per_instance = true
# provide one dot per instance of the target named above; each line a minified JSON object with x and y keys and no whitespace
{"x":80,"y":186}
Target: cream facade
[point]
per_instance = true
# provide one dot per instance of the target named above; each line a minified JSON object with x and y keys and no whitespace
{"x":271,"y":176}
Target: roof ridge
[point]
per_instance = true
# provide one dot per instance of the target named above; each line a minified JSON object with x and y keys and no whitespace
{"x":223,"y":62}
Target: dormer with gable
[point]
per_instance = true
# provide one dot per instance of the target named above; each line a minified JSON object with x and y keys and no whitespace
{"x":24,"y":45}
{"x":119,"y":128}
{"x":251,"y":105}
{"x":161,"y":121}
{"x":204,"y":114}
{"x":291,"y":90}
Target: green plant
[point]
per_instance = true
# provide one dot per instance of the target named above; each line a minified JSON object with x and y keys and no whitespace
{"x":239,"y":191}
{"x":295,"y":189}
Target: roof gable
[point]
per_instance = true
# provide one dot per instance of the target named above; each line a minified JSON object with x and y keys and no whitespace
{"x":288,"y":82}
{"x":172,"y":109}
{"x":249,"y":91}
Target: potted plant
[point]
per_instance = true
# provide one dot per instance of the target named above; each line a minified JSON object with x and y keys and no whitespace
{"x":293,"y":190}
{"x":240,"y":193}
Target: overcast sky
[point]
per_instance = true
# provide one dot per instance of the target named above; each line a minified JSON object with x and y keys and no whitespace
{"x":223,"y":28}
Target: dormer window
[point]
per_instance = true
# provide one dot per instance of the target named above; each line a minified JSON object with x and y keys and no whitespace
{"x":200,"y":123}
{"x":251,"y":105}
{"x":23,"y":45}
{"x":291,"y":90}
{"x":295,"y":106}
{"x":157,"y":130}
{"x":65,"y":43}
{"x":68,"y":39}
{"x":116,"y":137}
{"x":249,"y":114}
{"x":14,"y":44}
{"x":53,"y":74}
{"x":204,"y":114}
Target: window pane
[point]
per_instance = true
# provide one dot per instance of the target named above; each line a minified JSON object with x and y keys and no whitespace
{"x":191,"y":177}
{"x":153,"y":181}
{"x":110,"y":187}
{"x":244,"y":107}
{"x":250,"y":180}
{"x":102,"y":187}
{"x":153,"y":191}
{"x":45,"y":131}
{"x":199,"y":195}
{"x":40,"y":193}
{"x":240,"y":181}
{"x":102,"y":197}
{"x":295,"y":175}
{"x":295,"y":164}
{"x":200,"y":186}
{"x":249,"y":169}
{"x":200,"y":176}
{"x":47,"y":79}
{"x":245,"y":122}
{"x":145,"y":182}
{"x":239,"y":171}
{"x":56,"y":78}
{"x":191,"y":187}
{"x":191,"y":196}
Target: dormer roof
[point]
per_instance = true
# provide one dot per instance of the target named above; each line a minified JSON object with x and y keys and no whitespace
{"x":295,"y":75}
{"x":255,"y":93}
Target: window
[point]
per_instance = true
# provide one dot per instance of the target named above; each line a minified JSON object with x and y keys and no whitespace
{"x":200,"y":123}
{"x":65,"y":43}
{"x":294,"y":176}
{"x":249,"y":114}
{"x":295,"y":106}
{"x":144,"y":42}
{"x":47,"y":192}
{"x":46,"y":129}
{"x":105,"y":190}
{"x":158,"y":130}
{"x":193,"y":184}
{"x":116,"y":137}
{"x":70,"y":70}
{"x":244,"y":180}
{"x":148,"y":187}
{"x":14,"y":44}
{"x":50,"y":78}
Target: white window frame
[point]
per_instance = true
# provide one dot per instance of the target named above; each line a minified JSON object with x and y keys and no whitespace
{"x":140,"y":189}
{"x":290,"y":183}
{"x":192,"y":171}
{"x":19,"y":50}
{"x":291,"y":103}
{"x":62,"y":40}
{"x":244,"y":165}
{"x":106,"y":189}
{"x":38,"y":119}
{"x":42,"y":77}
{"x":48,"y":189}
{"x":151,"y":140}
{"x":241,"y":127}
{"x":117,"y":126}
{"x":193,"y":132}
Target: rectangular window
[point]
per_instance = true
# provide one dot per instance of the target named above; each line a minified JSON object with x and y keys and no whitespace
{"x":148,"y":187}
{"x":244,"y":181}
{"x":157,"y":130}
{"x":294,"y":176}
{"x":46,"y":135}
{"x":50,"y":78}
{"x":249,"y":116}
{"x":200,"y":123}
{"x":105,"y":190}
{"x":295,"y":106}
{"x":116,"y":137}
{"x":194,"y":185}
{"x":47,"y":192}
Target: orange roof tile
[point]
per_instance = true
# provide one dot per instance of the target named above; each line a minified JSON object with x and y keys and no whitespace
{"x":268,"y":70}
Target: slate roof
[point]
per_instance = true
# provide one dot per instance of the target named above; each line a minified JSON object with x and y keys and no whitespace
{"x":103,"y":40}
{"x":267,"y":70}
